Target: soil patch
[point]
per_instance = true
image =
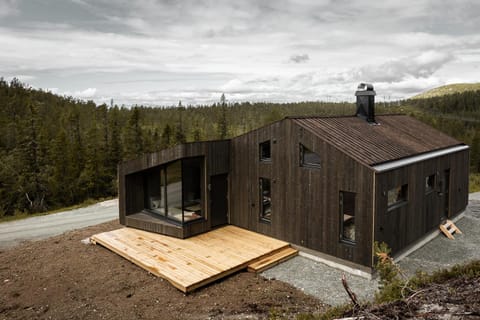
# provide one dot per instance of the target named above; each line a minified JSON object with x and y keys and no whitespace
{"x":62,"y":278}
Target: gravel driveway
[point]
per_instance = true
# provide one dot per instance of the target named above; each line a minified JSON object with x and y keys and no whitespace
{"x":41,"y":227}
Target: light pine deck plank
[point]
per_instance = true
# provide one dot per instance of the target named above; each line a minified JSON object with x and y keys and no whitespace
{"x":272,"y":259}
{"x":194,"y":262}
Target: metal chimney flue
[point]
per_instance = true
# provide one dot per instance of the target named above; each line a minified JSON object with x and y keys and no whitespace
{"x":366,"y":102}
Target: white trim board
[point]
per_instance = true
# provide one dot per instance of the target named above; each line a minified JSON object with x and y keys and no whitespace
{"x":355,"y":272}
{"x":421,"y":157}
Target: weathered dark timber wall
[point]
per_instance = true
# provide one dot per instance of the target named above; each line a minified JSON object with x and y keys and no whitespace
{"x":131,"y":185}
{"x":305,"y":201}
{"x":423,"y":211}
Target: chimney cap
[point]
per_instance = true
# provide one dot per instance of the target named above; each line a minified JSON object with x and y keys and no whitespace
{"x":365,"y":89}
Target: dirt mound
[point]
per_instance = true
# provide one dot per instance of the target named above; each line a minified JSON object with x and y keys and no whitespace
{"x":62,"y":278}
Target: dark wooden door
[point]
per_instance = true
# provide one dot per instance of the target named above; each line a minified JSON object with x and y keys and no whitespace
{"x":219,"y":200}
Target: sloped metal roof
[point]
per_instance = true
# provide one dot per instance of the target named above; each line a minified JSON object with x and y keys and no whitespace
{"x":393,"y":137}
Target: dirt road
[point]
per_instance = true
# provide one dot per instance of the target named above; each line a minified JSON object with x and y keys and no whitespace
{"x":36,"y":228}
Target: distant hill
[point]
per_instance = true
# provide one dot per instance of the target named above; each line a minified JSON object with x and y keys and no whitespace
{"x":448,"y":89}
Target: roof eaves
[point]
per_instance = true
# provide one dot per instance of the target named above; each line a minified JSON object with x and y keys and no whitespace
{"x":398,"y":163}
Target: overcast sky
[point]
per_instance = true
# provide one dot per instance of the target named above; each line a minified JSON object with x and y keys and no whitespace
{"x":160,"y":52}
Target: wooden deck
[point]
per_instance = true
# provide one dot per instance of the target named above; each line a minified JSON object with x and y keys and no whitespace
{"x":194,"y":262}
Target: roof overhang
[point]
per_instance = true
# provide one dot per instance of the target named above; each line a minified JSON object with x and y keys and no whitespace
{"x":414,"y":159}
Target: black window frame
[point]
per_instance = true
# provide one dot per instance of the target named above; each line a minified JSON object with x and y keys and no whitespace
{"x":399,"y":201}
{"x":304,"y":164}
{"x":265,"y":200}
{"x":193,"y":208}
{"x":430,"y":183}
{"x":350,"y":219}
{"x":261,"y":149}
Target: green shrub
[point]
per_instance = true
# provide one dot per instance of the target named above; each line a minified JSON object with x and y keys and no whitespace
{"x":392,"y":284}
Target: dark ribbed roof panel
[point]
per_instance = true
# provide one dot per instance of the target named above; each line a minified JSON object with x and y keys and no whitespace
{"x":394,"y":137}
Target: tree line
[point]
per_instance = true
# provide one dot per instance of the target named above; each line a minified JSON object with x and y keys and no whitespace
{"x":58,"y":151}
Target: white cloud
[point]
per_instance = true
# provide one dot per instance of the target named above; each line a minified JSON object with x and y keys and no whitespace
{"x":86,"y":94}
{"x":249,"y":49}
{"x":397,"y":70}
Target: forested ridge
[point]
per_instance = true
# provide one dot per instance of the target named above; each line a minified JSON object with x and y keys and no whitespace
{"x":57,"y":151}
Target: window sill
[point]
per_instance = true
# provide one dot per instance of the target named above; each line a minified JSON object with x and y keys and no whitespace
{"x":397,"y":205}
{"x":348,"y":242}
{"x":311,"y":166}
{"x":266,"y":221}
{"x":266,"y":160}
{"x":173,"y":221}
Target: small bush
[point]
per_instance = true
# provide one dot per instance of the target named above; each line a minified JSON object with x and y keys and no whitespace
{"x":393,"y":284}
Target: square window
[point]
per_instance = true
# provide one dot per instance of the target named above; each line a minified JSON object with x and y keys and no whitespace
{"x":308,"y":158}
{"x":397,"y":196}
{"x":265,"y":151}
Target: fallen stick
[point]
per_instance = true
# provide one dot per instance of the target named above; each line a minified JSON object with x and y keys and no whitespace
{"x":351,"y":294}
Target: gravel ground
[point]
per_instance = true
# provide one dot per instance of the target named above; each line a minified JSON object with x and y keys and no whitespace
{"x":42,"y":227}
{"x":324,"y":282}
{"x":320,"y":280}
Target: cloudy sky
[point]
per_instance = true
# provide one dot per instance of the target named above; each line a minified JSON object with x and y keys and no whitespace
{"x":159,"y":52}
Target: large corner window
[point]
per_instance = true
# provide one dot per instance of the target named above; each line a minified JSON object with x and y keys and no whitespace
{"x":174,"y":190}
{"x":429,"y":183}
{"x":265,"y":151}
{"x":265,"y":200}
{"x":347,"y":216}
{"x":308,"y":158}
{"x":397,"y":196}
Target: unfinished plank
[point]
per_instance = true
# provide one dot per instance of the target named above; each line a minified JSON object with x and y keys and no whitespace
{"x":272,"y":259}
{"x":194,"y":262}
{"x":449,"y":228}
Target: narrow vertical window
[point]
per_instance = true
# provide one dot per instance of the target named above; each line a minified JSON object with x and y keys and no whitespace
{"x":265,"y":200}
{"x":347,"y":216}
{"x":308,"y":158}
{"x":155,"y":191}
{"x":174,"y":190}
{"x":265,"y":151}
{"x":429,"y":183}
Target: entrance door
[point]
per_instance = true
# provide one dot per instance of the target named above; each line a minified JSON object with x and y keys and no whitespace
{"x":218,"y":199}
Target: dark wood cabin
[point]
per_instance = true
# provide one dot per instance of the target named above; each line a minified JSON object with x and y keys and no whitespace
{"x":330,"y":185}
{"x":336,"y":185}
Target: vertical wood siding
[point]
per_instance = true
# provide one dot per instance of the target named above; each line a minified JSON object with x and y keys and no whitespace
{"x":305,"y":201}
{"x":423,"y":212}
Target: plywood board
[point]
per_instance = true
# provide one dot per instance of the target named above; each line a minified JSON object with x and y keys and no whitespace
{"x":194,"y":262}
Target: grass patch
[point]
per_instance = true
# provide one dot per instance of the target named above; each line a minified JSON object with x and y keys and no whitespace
{"x":474,"y":184}
{"x":19,"y":215}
